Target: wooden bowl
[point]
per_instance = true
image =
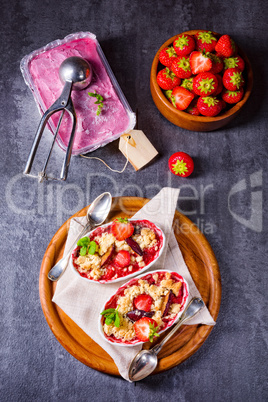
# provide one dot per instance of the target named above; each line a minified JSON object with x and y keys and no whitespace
{"x":186,"y":120}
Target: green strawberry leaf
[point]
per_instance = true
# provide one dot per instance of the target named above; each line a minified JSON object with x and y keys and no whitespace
{"x":153,"y":332}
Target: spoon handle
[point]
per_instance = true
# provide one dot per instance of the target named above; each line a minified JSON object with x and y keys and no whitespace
{"x":193,"y":307}
{"x":58,"y":269}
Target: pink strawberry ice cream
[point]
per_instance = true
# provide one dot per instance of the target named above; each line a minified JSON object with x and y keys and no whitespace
{"x":92,"y":130}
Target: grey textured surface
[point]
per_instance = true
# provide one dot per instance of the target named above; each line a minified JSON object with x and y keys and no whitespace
{"x":232,"y":363}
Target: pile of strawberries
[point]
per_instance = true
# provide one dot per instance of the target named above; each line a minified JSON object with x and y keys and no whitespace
{"x":202,"y":74}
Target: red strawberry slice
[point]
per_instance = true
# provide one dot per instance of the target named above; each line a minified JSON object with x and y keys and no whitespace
{"x":122,"y":229}
{"x":200,"y":62}
{"x":143,"y":302}
{"x":181,"y":98}
{"x":122,"y":259}
{"x":146,"y":329}
{"x":225,"y":46}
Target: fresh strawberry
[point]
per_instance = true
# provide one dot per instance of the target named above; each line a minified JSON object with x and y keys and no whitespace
{"x":166,"y":79}
{"x":232,"y":79}
{"x":232,"y":96}
{"x":217,"y":64}
{"x":200,"y":62}
{"x":209,"y":106}
{"x":143,"y":302}
{"x":193,"y":109}
{"x":146,"y":329}
{"x":168,"y":94}
{"x":181,"y":164}
{"x":122,"y":229}
{"x":232,"y":62}
{"x":205,"y":84}
{"x":225,"y":46}
{"x":220,"y":86}
{"x":122,"y":258}
{"x":188,"y":84}
{"x":167,"y":55}
{"x":181,"y":98}
{"x":205,"y":41}
{"x":181,"y":67}
{"x":184,"y":44}
{"x":223,"y":103}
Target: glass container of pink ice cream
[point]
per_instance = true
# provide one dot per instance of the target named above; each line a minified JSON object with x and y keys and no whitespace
{"x":40,"y":70}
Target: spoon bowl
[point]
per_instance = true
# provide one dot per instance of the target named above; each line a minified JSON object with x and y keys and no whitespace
{"x":145,"y":362}
{"x":96,"y":215}
{"x":77,"y":70}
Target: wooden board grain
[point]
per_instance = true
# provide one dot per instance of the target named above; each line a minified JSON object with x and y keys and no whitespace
{"x":202,"y":265}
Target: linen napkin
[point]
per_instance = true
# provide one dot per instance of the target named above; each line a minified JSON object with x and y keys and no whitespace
{"x":83,"y":301}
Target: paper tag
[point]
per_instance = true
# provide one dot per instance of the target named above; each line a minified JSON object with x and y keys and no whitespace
{"x":140,"y":151}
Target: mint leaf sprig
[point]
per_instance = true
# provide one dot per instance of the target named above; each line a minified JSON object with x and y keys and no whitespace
{"x":87,"y":246}
{"x":153,"y":332}
{"x":111,"y":317}
{"x":98,"y":102}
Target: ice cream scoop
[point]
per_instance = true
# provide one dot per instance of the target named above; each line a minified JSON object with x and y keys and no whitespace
{"x":75,"y":73}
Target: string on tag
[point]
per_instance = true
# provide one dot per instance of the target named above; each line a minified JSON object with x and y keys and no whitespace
{"x":101,"y":160}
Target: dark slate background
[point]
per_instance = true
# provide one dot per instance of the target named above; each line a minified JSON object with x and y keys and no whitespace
{"x":232,"y":363}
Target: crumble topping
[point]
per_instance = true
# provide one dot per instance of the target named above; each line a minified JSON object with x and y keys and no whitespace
{"x":93,"y":267}
{"x":158,"y":292}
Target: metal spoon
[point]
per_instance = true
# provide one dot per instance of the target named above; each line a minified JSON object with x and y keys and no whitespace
{"x":96,"y":215}
{"x":146,"y":361}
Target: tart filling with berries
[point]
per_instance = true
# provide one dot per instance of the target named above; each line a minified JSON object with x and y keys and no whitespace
{"x":143,"y":308}
{"x":117,"y":250}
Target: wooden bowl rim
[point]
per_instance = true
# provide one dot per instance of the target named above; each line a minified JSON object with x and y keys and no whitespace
{"x":180,"y":114}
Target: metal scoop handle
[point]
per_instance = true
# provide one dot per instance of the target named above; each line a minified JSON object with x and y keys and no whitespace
{"x":64,"y":102}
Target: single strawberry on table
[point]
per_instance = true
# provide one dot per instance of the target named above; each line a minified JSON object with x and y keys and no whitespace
{"x":235,"y":61}
{"x":225,"y":46}
{"x":166,"y":79}
{"x":181,"y":164}
{"x":205,"y":41}
{"x":205,"y":84}
{"x":181,"y":98}
{"x":233,"y":79}
{"x":209,"y":106}
{"x":122,"y":229}
{"x":143,"y":302}
{"x":146,"y":329}
{"x":181,"y":67}
{"x":232,"y":96}
{"x":184,"y":44}
{"x":200,"y":62}
{"x":167,"y":55}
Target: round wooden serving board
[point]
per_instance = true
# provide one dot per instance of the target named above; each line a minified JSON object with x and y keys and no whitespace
{"x":203,"y":267}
